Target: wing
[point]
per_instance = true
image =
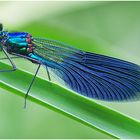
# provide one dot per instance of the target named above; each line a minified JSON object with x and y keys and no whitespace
{"x":92,"y":75}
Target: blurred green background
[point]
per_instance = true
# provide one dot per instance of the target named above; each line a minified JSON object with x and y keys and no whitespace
{"x":109,"y":28}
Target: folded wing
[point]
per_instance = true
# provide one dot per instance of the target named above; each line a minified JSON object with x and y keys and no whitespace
{"x":92,"y":75}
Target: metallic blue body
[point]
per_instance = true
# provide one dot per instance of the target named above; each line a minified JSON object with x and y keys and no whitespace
{"x":16,"y":38}
{"x":89,"y":74}
{"x":17,"y":34}
{"x":43,"y":61}
{"x":15,"y":42}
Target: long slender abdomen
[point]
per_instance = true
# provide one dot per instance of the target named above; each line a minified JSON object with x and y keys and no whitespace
{"x":43,"y":61}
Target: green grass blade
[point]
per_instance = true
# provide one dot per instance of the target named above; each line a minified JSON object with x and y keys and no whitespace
{"x":75,"y":106}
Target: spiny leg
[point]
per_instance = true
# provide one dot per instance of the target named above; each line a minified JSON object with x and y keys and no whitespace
{"x":10,"y":60}
{"x":31,"y":85}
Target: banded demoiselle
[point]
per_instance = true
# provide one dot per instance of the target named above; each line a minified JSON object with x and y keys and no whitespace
{"x":89,"y":74}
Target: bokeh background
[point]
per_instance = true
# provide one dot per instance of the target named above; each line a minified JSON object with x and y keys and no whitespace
{"x":109,"y":28}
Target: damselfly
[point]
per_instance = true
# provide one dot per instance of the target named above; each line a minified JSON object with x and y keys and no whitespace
{"x":89,"y":74}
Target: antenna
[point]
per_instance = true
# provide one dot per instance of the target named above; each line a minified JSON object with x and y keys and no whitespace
{"x":1,"y":27}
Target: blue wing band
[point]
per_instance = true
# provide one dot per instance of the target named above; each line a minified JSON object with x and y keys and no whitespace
{"x":89,"y":74}
{"x":101,"y":77}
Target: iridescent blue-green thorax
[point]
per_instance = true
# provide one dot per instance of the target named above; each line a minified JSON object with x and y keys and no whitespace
{"x":18,"y":42}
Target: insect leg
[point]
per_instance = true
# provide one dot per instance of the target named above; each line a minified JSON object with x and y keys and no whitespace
{"x":10,"y":60}
{"x":48,"y":73}
{"x":38,"y":62}
{"x":31,"y":85}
